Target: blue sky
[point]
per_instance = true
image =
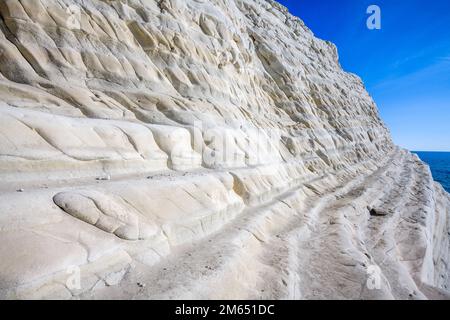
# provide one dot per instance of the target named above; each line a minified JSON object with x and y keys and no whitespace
{"x":405,"y":65}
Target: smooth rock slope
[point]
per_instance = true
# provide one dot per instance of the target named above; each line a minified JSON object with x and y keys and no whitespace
{"x":201,"y":149}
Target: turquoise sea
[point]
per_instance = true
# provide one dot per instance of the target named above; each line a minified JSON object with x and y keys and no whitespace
{"x":439,"y":163}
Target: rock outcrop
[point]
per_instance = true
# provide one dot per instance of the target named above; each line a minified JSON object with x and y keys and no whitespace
{"x":201,"y":149}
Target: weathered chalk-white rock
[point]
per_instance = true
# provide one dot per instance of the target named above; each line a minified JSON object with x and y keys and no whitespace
{"x":206,"y":149}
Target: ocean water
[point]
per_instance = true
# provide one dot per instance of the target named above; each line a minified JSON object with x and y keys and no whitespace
{"x":439,"y":163}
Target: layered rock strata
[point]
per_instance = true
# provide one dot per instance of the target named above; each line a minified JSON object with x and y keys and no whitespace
{"x":201,"y":149}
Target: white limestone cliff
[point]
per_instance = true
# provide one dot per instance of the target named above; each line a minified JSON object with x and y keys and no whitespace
{"x":201,"y":149}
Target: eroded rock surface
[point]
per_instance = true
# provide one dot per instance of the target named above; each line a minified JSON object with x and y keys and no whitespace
{"x":201,"y":149}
